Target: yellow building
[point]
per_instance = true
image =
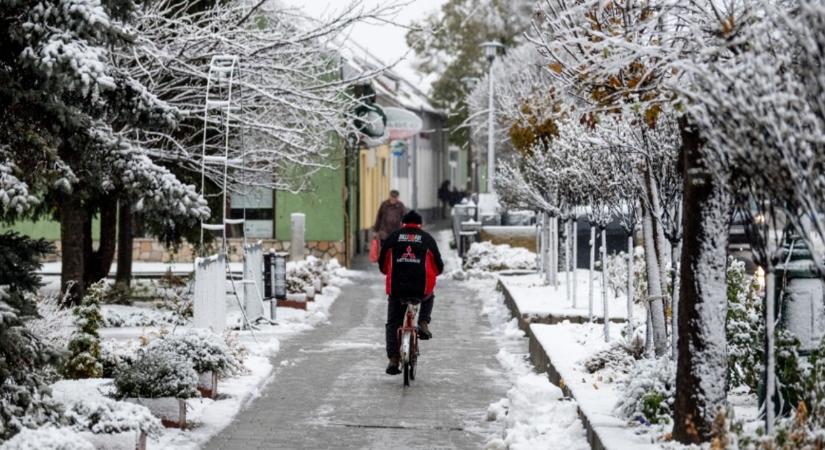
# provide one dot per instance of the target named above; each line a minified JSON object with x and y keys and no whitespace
{"x":374,"y":183}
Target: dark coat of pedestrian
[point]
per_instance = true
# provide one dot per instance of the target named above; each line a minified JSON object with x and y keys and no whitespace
{"x":444,"y":197}
{"x":388,"y":219}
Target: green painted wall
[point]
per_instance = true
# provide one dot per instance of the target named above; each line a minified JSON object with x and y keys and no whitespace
{"x":323,"y":206}
{"x":43,"y":228}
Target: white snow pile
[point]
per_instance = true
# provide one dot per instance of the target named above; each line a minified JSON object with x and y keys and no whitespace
{"x":48,"y":438}
{"x":535,"y":412}
{"x":484,"y":257}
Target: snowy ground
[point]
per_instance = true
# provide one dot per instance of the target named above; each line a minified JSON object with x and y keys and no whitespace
{"x":534,"y":412}
{"x":598,"y":395}
{"x":477,"y":387}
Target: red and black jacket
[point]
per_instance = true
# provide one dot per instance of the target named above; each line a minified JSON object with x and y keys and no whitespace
{"x":411,"y":261}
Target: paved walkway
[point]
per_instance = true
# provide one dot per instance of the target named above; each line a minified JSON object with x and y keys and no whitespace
{"x":330,"y":390}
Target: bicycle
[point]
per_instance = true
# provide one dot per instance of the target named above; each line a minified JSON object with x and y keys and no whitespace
{"x":408,"y":338}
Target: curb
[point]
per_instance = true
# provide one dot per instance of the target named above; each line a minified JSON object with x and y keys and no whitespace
{"x":542,"y":362}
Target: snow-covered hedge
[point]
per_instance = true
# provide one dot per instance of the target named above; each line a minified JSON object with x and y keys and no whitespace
{"x":84,"y":346}
{"x":48,"y":438}
{"x":619,"y":358}
{"x":303,"y":274}
{"x":149,"y":318}
{"x":648,"y":392}
{"x":206,"y":351}
{"x":54,"y":323}
{"x":105,"y":416}
{"x":617,"y":274}
{"x":116,"y":355}
{"x":744,"y":328}
{"x":157,"y":374}
{"x":486,"y":257}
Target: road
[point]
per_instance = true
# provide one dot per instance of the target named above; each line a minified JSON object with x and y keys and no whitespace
{"x":330,"y":389}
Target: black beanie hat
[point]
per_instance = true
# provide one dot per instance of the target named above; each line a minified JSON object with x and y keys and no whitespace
{"x":412,"y":217}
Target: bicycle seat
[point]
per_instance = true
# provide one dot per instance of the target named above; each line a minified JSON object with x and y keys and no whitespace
{"x":410,"y":301}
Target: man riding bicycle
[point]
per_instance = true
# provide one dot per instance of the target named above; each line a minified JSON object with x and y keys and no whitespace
{"x":411,"y":261}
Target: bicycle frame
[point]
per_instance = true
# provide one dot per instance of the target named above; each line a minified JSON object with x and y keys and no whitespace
{"x":408,"y":334}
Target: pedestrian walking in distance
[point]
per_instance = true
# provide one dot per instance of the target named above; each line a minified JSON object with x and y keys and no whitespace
{"x":389,"y":216}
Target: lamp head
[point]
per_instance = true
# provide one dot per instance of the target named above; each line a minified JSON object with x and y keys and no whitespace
{"x":491,"y":49}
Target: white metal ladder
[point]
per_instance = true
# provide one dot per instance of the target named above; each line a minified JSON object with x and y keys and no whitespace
{"x":224,"y":74}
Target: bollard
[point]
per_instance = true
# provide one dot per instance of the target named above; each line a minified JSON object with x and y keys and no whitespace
{"x":297,"y":243}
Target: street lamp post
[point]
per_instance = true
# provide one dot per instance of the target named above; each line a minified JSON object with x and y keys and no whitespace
{"x":490,"y":51}
{"x":472,"y":159}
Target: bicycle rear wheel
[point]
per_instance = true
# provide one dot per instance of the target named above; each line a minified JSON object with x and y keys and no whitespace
{"x":412,"y":369}
{"x":407,"y":374}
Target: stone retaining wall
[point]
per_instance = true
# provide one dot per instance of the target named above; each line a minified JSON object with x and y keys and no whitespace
{"x":150,"y":250}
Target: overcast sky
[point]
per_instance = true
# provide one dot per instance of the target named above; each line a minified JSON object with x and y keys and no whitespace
{"x":385,"y":41}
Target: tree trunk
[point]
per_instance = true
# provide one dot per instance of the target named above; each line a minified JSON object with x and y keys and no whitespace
{"x":540,"y":242}
{"x":567,"y":241}
{"x":770,"y":350}
{"x":701,"y":369}
{"x":101,"y":260}
{"x":654,"y":287}
{"x":659,"y":241}
{"x":575,"y":233}
{"x":590,"y":273}
{"x":72,"y":224}
{"x":605,"y":304}
{"x":548,"y":245}
{"x":676,"y":251}
{"x":630,"y":286}
{"x":554,"y":255}
{"x":88,"y":250}
{"x":125,"y":240}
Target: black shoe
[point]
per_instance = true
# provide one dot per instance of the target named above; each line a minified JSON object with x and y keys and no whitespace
{"x":392,"y":368}
{"x":424,"y":331}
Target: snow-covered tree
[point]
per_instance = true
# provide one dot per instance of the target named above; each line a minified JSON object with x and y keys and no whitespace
{"x":447,"y":49}
{"x":25,"y":400}
{"x":66,"y":103}
{"x":629,"y":53}
{"x":84,"y":344}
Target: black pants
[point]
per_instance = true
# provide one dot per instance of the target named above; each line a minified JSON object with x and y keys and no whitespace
{"x":395,"y":318}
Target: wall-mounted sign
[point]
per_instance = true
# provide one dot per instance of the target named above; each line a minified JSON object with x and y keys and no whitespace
{"x":398,"y":147}
{"x":402,"y":123}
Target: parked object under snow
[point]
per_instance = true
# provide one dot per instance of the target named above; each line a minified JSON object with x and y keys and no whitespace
{"x":484,"y":256}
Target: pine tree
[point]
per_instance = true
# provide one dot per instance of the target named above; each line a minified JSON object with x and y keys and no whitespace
{"x":18,"y":268}
{"x":68,"y":121}
{"x":24,"y":387}
{"x":84,"y":345}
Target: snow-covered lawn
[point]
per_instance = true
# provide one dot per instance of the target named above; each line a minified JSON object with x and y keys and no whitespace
{"x":143,"y":322}
{"x":601,"y":390}
{"x":536,"y":300}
